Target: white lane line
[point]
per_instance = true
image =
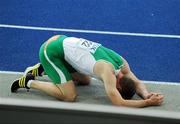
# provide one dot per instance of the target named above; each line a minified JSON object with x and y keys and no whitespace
{"x":148,"y":82}
{"x":162,"y":82}
{"x":12,"y":72}
{"x":90,"y":31}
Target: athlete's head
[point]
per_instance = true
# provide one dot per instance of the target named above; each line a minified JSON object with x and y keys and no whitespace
{"x":126,"y":86}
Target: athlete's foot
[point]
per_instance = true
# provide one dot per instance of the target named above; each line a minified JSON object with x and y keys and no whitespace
{"x":36,"y":70}
{"x":21,"y":82}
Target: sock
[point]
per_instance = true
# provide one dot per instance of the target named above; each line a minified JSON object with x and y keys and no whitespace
{"x":29,"y":83}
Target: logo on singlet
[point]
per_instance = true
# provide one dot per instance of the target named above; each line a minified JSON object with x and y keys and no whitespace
{"x":88,"y":45}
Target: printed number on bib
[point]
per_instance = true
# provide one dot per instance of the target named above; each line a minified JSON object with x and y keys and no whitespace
{"x":89,"y":45}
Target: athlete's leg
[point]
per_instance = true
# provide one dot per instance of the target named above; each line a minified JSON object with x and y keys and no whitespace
{"x":65,"y":91}
{"x":52,"y":59}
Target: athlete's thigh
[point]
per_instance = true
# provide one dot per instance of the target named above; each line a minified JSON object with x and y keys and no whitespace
{"x":61,"y":77}
{"x":54,"y":67}
{"x":57,"y":72}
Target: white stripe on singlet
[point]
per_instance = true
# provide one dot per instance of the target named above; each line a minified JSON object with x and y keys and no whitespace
{"x":60,"y":73}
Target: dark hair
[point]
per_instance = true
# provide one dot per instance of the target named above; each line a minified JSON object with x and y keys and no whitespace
{"x":128,"y":88}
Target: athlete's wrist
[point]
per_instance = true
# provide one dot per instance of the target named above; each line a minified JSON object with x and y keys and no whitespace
{"x":147,"y":102}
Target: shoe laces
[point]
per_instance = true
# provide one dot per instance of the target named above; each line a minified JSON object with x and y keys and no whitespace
{"x":22,"y":82}
{"x":35,"y":72}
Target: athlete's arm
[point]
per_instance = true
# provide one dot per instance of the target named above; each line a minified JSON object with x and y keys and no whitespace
{"x":106,"y":73}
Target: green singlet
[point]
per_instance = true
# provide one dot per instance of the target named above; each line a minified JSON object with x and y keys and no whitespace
{"x":67,"y":55}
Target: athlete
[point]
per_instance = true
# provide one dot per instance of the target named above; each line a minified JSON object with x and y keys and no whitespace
{"x":67,"y":60}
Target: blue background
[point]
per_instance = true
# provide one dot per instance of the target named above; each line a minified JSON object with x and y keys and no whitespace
{"x":150,"y":58}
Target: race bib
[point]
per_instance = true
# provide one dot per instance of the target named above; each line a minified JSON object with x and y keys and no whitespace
{"x":88,"y":45}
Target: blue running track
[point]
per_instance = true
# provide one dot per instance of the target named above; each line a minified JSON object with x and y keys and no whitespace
{"x":151,"y":58}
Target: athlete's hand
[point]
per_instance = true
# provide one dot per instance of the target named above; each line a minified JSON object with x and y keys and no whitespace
{"x":148,"y":95}
{"x":155,"y":99}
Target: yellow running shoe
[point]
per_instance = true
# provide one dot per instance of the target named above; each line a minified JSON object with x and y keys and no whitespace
{"x":35,"y":70}
{"x":21,"y":82}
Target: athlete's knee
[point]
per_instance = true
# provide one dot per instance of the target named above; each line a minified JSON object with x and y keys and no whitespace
{"x":70,"y":97}
{"x":68,"y":91}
